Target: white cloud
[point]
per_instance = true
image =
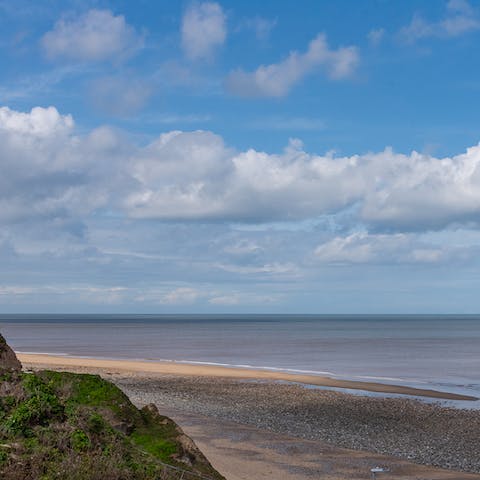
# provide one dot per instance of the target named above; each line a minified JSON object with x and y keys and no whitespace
{"x":460,"y":18}
{"x":39,"y":122}
{"x":277,"y":79}
{"x":51,"y":172}
{"x":47,"y":171}
{"x":359,"y":248}
{"x":193,"y":176}
{"x":204,"y":30}
{"x":420,"y":191}
{"x":68,"y":224}
{"x":96,"y":35}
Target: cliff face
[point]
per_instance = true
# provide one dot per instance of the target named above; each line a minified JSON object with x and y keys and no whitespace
{"x":8,"y":359}
{"x":61,"y":425}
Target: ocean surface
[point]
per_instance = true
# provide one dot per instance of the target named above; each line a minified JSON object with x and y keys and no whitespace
{"x":440,"y":352}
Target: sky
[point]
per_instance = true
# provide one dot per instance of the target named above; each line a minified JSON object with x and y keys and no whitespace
{"x":242,"y":157}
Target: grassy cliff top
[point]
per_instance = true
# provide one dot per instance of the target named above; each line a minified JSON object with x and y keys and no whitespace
{"x":70,"y":426}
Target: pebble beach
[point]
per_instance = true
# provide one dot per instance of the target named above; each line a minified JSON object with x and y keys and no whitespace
{"x":246,"y":424}
{"x":424,"y":433}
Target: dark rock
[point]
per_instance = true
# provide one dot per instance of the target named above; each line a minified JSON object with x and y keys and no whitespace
{"x":8,"y":360}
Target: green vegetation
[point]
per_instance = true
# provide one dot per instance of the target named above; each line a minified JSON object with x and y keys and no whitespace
{"x":69,"y":426}
{"x":80,"y":441}
{"x":40,"y":406}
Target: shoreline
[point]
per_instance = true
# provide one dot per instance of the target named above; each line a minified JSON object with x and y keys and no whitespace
{"x":401,"y":428}
{"x":197,"y":370}
{"x":249,"y":426}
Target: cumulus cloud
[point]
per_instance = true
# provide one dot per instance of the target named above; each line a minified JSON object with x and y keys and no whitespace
{"x":203,"y":30}
{"x":39,"y":122}
{"x":188,"y":209}
{"x":277,"y":79}
{"x":459,"y":18}
{"x":95,"y":36}
{"x":49,"y":171}
{"x":193,"y":176}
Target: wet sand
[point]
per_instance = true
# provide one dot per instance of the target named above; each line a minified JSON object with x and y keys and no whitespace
{"x":171,"y":368}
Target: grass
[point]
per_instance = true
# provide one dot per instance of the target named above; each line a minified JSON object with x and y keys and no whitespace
{"x":69,"y":426}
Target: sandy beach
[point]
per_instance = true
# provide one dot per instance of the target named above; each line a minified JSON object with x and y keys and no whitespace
{"x":172,"y":368}
{"x":251,"y":426}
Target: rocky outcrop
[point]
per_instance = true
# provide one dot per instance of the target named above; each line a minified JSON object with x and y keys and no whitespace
{"x":8,"y":360}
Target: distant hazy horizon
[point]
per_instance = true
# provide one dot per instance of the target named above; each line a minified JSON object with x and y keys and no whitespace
{"x":437,"y":352}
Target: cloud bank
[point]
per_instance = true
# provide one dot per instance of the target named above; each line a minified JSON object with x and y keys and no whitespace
{"x":50,"y":171}
{"x":186,"y":222}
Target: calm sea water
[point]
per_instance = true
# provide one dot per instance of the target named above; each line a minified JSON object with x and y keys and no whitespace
{"x":426,"y":351}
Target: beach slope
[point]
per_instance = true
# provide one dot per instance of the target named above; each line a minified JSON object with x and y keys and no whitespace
{"x":172,"y":368}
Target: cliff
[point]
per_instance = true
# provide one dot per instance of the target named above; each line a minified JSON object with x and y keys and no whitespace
{"x":80,"y":427}
{"x":8,"y":359}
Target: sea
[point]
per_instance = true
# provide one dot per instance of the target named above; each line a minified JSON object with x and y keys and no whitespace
{"x":427,"y":351}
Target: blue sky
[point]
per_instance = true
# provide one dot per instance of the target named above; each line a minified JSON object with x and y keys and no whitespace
{"x":230,"y":156}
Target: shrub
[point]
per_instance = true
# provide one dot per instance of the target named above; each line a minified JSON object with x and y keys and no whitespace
{"x":41,"y":405}
{"x":80,"y":441}
{"x":96,"y":424}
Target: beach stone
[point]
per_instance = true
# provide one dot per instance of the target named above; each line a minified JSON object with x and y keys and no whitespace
{"x":425,"y":433}
{"x":8,"y":360}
